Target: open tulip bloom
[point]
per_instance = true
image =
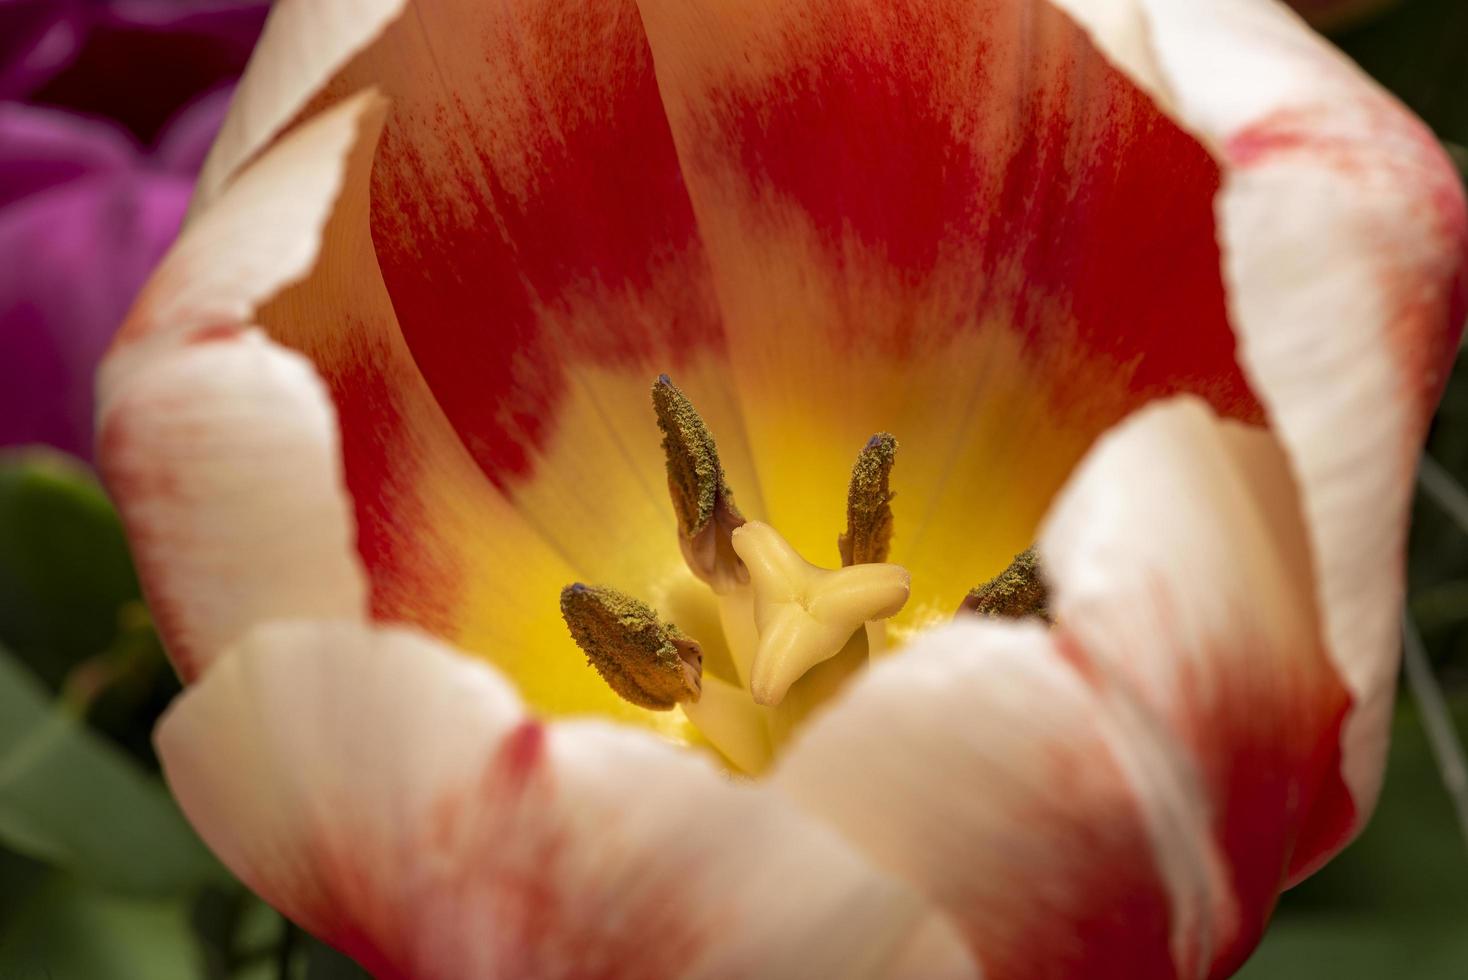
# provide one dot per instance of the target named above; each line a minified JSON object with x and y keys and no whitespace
{"x":578,"y":451}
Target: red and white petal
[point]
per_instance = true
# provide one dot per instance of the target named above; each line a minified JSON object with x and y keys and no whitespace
{"x":954,"y":221}
{"x":1346,"y":257}
{"x":980,"y":765}
{"x":224,"y":459}
{"x":529,"y":217}
{"x":304,"y":43}
{"x":262,"y":235}
{"x":221,"y":448}
{"x":1158,"y":752}
{"x":544,"y":264}
{"x":393,"y":798}
{"x":288,"y":244}
{"x":1181,"y":579}
{"x":445,"y":548}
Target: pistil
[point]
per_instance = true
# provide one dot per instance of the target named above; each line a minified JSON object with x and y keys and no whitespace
{"x":806,"y":614}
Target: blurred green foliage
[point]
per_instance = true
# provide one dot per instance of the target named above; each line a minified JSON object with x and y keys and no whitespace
{"x":102,"y":879}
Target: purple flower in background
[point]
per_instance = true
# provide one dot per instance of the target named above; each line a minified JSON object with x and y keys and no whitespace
{"x":106,"y":112}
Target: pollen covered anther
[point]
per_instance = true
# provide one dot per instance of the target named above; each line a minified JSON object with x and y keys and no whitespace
{"x":649,"y":663}
{"x":805,"y":614}
{"x":1014,"y":593}
{"x":702,"y":500}
{"x":868,"y":535}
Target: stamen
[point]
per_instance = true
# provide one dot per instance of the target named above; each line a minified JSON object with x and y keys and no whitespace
{"x":1014,"y":593}
{"x":652,"y":665}
{"x":707,"y":516}
{"x":805,"y":614}
{"x":868,"y":534}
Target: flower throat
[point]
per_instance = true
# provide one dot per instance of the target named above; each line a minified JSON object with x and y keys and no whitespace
{"x":795,"y":632}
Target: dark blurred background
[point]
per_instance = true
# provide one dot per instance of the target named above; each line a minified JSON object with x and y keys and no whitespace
{"x":107,"y":108}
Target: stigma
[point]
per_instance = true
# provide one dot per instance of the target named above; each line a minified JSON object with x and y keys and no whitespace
{"x":804,"y":615}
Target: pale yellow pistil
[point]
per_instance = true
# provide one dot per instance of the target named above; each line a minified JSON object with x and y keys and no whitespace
{"x":803,"y":614}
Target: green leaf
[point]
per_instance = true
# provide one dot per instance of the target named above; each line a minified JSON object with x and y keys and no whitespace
{"x":72,"y":930}
{"x":69,"y":798}
{"x":1434,"y":947}
{"x":65,"y":573}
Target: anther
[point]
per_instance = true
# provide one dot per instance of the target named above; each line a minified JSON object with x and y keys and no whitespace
{"x":805,"y":614}
{"x":868,"y":536}
{"x":1014,"y":593}
{"x":651,"y":664}
{"x":702,"y":500}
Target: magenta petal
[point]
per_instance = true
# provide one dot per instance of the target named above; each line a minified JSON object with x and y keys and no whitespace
{"x":38,"y":39}
{"x":188,"y":48}
{"x":76,"y":257}
{"x":40,"y":148}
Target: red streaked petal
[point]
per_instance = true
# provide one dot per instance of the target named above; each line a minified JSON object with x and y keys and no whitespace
{"x":441,"y":547}
{"x":1181,"y":578}
{"x":392,"y":798}
{"x":224,"y":460}
{"x":445,"y":550}
{"x":261,"y":236}
{"x":1346,"y":253}
{"x":536,"y":240}
{"x":953,"y":221}
{"x":220,"y":448}
{"x":979,"y":765}
{"x":1137,"y":778}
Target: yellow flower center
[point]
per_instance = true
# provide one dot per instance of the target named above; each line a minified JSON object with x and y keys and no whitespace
{"x":794,"y":632}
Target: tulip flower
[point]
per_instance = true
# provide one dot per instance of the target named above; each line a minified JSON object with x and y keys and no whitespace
{"x":577,"y":455}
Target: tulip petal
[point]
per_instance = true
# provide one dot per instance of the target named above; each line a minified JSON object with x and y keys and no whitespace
{"x":187,"y":46}
{"x":1184,"y":705}
{"x":265,"y":235}
{"x":535,"y":236}
{"x":190,"y":447}
{"x":1181,"y":578}
{"x":440,"y":372}
{"x":979,"y":765}
{"x":188,"y":396}
{"x":1346,"y":255}
{"x":445,"y":548}
{"x":53,"y":329}
{"x":304,"y":43}
{"x":393,"y":798}
{"x":41,"y":148}
{"x":952,"y":221}
{"x":442,"y":548}
{"x":538,"y":245}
